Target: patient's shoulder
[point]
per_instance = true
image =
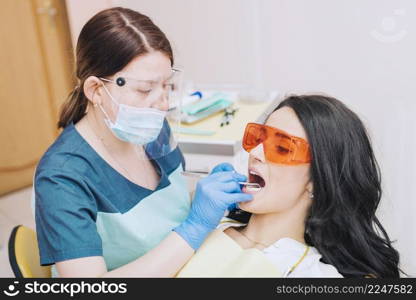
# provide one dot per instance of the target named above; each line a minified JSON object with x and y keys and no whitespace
{"x":314,"y":267}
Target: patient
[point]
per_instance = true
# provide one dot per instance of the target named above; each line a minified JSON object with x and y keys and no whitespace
{"x":314,"y":215}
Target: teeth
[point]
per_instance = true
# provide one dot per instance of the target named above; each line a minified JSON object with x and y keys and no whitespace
{"x":254,"y":173}
{"x":253,"y":189}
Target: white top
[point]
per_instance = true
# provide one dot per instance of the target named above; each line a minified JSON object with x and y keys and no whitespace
{"x":286,"y":252}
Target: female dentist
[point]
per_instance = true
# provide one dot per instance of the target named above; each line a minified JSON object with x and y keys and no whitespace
{"x":110,"y":199}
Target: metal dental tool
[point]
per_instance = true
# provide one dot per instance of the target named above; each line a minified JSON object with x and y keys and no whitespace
{"x":201,"y":174}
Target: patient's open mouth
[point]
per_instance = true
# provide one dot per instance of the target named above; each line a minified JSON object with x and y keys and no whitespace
{"x":256,"y":178}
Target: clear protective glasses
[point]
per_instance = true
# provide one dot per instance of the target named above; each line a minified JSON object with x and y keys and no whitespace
{"x":146,"y":93}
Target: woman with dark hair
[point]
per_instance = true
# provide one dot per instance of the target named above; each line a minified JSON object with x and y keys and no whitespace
{"x":314,"y":215}
{"x":110,"y":199}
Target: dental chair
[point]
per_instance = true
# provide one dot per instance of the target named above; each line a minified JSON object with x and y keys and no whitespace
{"x":24,"y":254}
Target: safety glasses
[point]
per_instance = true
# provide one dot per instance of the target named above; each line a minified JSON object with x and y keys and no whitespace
{"x":279,"y":146}
{"x":142,"y":91}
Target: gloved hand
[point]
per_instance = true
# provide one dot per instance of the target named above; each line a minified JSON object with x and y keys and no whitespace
{"x":222,"y":168}
{"x":213,"y":195}
{"x":225,"y":167}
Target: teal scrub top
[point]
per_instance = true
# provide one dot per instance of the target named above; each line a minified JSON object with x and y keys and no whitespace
{"x":84,"y":207}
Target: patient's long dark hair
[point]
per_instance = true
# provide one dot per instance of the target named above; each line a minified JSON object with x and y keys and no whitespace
{"x":346,"y":179}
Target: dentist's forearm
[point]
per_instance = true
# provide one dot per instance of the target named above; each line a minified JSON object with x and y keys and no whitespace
{"x":163,"y":261}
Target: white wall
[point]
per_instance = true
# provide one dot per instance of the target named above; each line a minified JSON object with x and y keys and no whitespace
{"x":80,"y":11}
{"x":359,"y":51}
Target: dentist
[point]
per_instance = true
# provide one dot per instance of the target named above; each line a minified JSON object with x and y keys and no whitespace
{"x":110,"y":199}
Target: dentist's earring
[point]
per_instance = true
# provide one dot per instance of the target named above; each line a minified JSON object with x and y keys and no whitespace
{"x":310,"y":195}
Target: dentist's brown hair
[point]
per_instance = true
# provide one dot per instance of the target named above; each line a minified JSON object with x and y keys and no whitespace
{"x":106,"y":44}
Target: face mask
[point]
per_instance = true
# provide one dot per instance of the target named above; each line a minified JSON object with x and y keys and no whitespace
{"x":135,"y":125}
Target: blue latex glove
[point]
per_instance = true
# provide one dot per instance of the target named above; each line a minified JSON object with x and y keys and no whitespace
{"x":222,"y":168}
{"x":225,"y":167}
{"x":213,"y":195}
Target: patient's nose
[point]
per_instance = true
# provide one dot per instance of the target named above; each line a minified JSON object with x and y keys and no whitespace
{"x":258,"y":153}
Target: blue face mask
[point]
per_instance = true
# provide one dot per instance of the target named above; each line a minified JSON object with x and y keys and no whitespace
{"x":135,"y":125}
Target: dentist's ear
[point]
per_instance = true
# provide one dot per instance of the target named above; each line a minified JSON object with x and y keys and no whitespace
{"x":92,"y":90}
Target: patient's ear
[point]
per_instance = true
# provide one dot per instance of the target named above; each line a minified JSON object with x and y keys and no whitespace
{"x":309,"y":189}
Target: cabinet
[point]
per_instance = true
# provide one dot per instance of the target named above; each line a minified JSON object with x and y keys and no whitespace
{"x":36,"y":77}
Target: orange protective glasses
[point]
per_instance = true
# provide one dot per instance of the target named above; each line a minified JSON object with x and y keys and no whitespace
{"x":279,"y":146}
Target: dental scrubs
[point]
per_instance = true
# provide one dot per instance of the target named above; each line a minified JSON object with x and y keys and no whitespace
{"x":84,"y":207}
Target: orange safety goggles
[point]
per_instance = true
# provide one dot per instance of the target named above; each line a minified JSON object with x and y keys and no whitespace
{"x":279,"y":146}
